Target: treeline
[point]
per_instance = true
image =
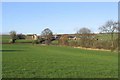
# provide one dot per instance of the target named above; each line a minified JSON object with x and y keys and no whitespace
{"x":83,"y":37}
{"x":86,"y":39}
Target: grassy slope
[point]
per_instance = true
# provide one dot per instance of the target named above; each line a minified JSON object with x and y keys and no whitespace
{"x":6,"y":38}
{"x":20,"y":60}
{"x":106,"y":36}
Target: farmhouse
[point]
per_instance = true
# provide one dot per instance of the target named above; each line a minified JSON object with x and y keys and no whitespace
{"x":29,"y":37}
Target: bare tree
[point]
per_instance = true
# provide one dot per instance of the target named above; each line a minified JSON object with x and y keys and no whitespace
{"x":63,"y":40}
{"x":110,"y":27}
{"x":84,"y":30}
{"x":13,"y":36}
{"x":47,"y":35}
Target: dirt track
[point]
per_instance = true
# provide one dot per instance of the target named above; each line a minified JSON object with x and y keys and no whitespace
{"x":92,"y":49}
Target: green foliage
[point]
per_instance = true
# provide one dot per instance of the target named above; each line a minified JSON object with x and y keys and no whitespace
{"x":55,"y":42}
{"x":73,"y":43}
{"x":35,"y":61}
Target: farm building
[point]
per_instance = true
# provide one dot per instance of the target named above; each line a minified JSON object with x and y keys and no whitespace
{"x":29,"y":37}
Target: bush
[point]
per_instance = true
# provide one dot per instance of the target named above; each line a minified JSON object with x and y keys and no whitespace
{"x":55,"y":42}
{"x":102,"y":44}
{"x":35,"y":42}
{"x":73,"y":43}
{"x":21,"y":36}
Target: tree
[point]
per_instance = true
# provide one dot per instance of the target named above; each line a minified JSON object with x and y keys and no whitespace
{"x":118,"y":28}
{"x":110,"y":27}
{"x":13,"y":36}
{"x":63,"y":40}
{"x":47,"y":35}
{"x":20,"y":36}
{"x":84,"y":31}
{"x":83,"y":34}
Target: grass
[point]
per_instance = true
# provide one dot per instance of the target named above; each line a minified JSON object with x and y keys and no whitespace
{"x":6,"y":38}
{"x":55,"y":42}
{"x":36,"y":61}
{"x":106,"y":36}
{"x":24,"y":41}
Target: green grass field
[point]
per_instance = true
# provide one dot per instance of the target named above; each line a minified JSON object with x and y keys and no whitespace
{"x":37,"y":61}
{"x":6,"y":38}
{"x":106,"y":36}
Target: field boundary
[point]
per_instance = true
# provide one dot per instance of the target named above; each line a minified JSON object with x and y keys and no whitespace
{"x":92,"y":49}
